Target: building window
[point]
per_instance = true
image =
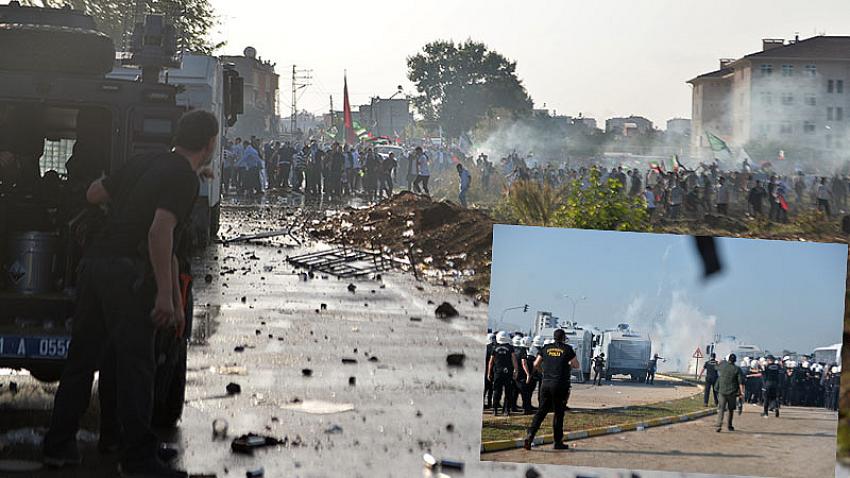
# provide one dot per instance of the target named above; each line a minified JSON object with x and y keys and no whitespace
{"x":811,"y":100}
{"x":787,"y":70}
{"x":830,"y":86}
{"x":786,"y":127}
{"x":829,"y":113}
{"x":839,"y":86}
{"x":766,"y":98}
{"x":809,"y":126}
{"x":811,"y":70}
{"x":839,"y":113}
{"x":787,"y":99}
{"x":766,"y":70}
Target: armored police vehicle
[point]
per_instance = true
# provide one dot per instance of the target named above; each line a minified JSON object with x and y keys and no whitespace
{"x":627,"y":352}
{"x":63,"y":124}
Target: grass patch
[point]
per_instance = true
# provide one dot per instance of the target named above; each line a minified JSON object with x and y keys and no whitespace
{"x":497,"y":428}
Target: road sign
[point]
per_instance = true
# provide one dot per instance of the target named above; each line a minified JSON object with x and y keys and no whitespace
{"x":698,"y":353}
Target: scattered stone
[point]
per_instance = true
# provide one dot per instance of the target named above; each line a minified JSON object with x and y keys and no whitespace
{"x":416,"y":319}
{"x":255,"y":473}
{"x":257,"y":331}
{"x":352,"y":381}
{"x":349,"y":361}
{"x":233,"y":389}
{"x":531,"y":472}
{"x":324,"y":306}
{"x":307,"y":372}
{"x":352,"y":288}
{"x":208,"y":278}
{"x":334,"y":430}
{"x":244,"y":299}
{"x":239,"y":348}
{"x":455,"y":360}
{"x":373,"y":359}
{"x":445,"y":311}
{"x":450,"y":428}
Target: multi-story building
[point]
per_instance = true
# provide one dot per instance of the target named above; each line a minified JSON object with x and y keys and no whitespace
{"x":679,"y":126}
{"x":260,"y":96}
{"x":795,"y":94}
{"x":631,"y":126}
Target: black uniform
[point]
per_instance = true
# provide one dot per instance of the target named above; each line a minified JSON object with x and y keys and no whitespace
{"x":598,"y":369}
{"x":115,"y":295}
{"x":520,"y":387}
{"x":488,"y":385}
{"x":710,"y":368}
{"x":771,"y":384}
{"x":554,"y":388}
{"x":535,"y":378}
{"x":503,"y":376}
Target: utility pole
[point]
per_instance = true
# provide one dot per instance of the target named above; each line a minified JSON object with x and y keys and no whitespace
{"x":333,"y":120}
{"x":300,"y":79}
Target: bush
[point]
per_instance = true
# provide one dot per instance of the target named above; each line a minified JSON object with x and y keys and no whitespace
{"x":534,"y":203}
{"x":602,"y":206}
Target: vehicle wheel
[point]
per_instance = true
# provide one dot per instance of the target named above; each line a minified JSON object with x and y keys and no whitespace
{"x":170,"y":386}
{"x":46,"y":373}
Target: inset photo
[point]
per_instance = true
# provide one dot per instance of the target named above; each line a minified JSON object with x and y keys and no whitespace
{"x":663,"y":352}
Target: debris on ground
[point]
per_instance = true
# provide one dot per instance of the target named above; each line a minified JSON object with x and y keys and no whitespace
{"x":445,"y":311}
{"x":333,"y":430}
{"x":306,"y":372}
{"x":219,"y":427}
{"x":246,"y":444}
{"x":255,"y":473}
{"x":352,"y":288}
{"x":531,"y":472}
{"x":233,"y":388}
{"x":433,"y":463}
{"x":208,"y":278}
{"x":455,"y":360}
{"x":416,"y":319}
{"x":352,"y":381}
{"x":349,"y":361}
{"x":444,"y":238}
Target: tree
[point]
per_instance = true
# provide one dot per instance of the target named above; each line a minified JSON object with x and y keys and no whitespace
{"x":460,"y":83}
{"x":194,"y":19}
{"x":603,"y":206}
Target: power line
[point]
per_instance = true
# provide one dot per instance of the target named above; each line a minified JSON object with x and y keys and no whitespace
{"x":300,"y":79}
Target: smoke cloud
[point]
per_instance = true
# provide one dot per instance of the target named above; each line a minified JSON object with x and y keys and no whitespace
{"x":676,"y":332}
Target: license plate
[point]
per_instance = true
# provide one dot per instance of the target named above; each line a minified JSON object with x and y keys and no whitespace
{"x":34,"y":347}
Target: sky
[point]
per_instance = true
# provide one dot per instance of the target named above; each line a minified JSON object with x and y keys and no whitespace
{"x":601,"y":59}
{"x":775,"y":294}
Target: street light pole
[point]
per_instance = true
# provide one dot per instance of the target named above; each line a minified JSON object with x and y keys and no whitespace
{"x":502,"y":318}
{"x":575,"y":301}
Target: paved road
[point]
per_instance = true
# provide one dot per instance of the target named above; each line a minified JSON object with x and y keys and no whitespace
{"x":620,"y":393}
{"x":799,"y":443}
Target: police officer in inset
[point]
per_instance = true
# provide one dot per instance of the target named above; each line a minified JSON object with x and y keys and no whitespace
{"x":488,"y":384}
{"x":502,"y":371}
{"x":531,"y":378}
{"x":128,"y":288}
{"x":730,"y":389}
{"x":598,"y":368}
{"x":710,"y":370}
{"x":651,"y":368}
{"x":772,"y":376}
{"x":556,"y":361}
{"x":521,"y":384}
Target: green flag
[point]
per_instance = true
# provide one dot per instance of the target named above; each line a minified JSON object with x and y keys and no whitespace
{"x":716,"y":143}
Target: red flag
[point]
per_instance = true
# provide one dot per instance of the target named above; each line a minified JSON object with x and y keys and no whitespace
{"x":346,"y":113}
{"x":782,"y":203}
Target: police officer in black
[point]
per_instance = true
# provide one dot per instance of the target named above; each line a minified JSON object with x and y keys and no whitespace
{"x":772,"y":377}
{"x":127,"y":288}
{"x":556,"y":361}
{"x":598,"y":369}
{"x":710,"y":370}
{"x":488,"y":384}
{"x":502,"y":371}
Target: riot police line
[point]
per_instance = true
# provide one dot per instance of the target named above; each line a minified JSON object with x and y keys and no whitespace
{"x":510,"y":378}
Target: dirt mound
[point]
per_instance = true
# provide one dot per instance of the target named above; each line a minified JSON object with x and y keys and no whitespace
{"x":442,"y":239}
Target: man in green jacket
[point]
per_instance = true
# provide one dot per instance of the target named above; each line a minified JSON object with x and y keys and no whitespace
{"x":730,"y":387}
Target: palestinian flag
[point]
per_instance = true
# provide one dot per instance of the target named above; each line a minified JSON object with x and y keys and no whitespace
{"x":782,"y":203}
{"x":657,"y":167}
{"x":677,"y":165}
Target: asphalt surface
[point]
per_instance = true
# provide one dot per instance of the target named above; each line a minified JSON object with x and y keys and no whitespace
{"x":623,"y":392}
{"x":404,"y":402}
{"x":799,"y":443}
